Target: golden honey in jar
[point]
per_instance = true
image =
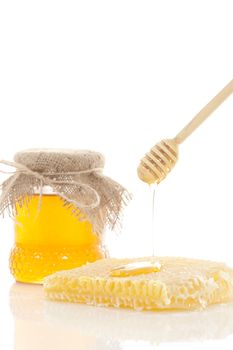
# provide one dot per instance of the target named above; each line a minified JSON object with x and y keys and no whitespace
{"x":49,"y":238}
{"x":61,"y":203}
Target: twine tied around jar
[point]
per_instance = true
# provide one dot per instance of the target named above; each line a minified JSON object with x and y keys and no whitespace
{"x":45,"y":179}
{"x":75,"y":176}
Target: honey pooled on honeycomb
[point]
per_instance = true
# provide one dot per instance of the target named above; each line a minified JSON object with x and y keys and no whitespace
{"x":49,"y":238}
{"x":179,"y":284}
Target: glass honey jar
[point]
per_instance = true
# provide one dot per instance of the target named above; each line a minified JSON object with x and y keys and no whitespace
{"x":50,"y":239}
{"x":61,"y":203}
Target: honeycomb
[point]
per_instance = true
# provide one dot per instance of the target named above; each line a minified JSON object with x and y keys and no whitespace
{"x":180,"y":284}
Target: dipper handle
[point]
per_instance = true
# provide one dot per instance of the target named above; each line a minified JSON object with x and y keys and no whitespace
{"x":204,"y":113}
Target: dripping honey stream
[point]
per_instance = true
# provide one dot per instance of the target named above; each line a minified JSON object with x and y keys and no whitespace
{"x":151,"y":264}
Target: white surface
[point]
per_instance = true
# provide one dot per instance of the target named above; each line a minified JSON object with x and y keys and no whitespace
{"x":40,"y":324}
{"x":116,"y":77}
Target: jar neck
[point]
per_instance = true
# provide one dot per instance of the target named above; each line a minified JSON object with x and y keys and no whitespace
{"x":45,"y":190}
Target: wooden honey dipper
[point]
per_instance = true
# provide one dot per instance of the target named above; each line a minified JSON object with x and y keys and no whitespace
{"x":157,"y":163}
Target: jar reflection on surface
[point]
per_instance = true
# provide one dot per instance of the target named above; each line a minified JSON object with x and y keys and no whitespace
{"x":49,"y":238}
{"x":32,"y":331}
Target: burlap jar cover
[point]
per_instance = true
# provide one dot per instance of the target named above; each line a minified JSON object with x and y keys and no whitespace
{"x":75,"y":175}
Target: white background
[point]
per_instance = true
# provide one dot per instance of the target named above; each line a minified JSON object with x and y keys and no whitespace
{"x":117,"y":77}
